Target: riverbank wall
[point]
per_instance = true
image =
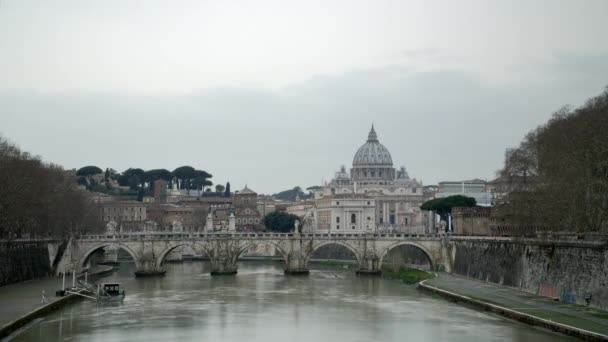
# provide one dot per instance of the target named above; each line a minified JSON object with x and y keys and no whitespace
{"x":24,"y":260}
{"x":511,"y":314}
{"x":567,"y":270}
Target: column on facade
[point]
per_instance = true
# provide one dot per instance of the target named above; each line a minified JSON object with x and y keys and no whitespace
{"x":397,"y":203}
{"x":385,"y":213}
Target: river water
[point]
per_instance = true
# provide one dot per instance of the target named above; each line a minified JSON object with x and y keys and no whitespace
{"x":262,"y":304}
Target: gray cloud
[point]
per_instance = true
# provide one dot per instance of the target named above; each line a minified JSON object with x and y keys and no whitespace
{"x":440,"y":125}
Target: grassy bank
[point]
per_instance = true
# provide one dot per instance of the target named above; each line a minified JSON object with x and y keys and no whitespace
{"x":334,"y":262}
{"x":407,"y":275}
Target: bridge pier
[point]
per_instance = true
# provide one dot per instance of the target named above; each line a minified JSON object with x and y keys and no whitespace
{"x":369,"y":265}
{"x":223,"y":266}
{"x":296,"y":264}
{"x":148,"y":268}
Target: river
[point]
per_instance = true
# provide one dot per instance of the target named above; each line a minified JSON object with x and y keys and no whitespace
{"x":262,"y":304}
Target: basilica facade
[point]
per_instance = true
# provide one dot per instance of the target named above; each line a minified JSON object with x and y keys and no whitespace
{"x":372,"y":197}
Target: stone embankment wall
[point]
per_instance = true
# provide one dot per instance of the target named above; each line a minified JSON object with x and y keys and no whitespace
{"x":23,"y":260}
{"x":571,"y":271}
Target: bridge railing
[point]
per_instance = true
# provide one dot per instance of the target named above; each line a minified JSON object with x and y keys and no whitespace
{"x":246,"y":235}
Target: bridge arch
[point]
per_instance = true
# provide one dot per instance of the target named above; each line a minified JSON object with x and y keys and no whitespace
{"x":427,"y":252}
{"x":163,"y":254}
{"x":250,"y":244}
{"x":321,"y":244}
{"x":84,"y":257}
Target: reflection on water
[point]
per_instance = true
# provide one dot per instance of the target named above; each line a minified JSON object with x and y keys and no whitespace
{"x":262,"y":304}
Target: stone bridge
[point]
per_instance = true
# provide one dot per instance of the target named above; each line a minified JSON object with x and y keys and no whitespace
{"x":149,"y":249}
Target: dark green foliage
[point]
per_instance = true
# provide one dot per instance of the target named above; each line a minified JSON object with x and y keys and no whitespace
{"x":156,"y":174}
{"x":443,"y":206}
{"x":279,"y":221}
{"x":132,"y":178}
{"x":88,"y":171}
{"x":408,"y":275}
{"x":227,"y":192}
{"x":292,"y":194}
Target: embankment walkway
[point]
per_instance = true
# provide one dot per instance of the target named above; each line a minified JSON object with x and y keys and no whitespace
{"x":20,"y":299}
{"x":22,"y":302}
{"x":577,"y":316}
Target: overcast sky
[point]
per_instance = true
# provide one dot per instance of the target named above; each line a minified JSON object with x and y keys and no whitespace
{"x":281,"y":93}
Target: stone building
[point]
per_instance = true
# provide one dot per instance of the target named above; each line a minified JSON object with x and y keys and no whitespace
{"x":246,"y":210}
{"x":160,"y":191}
{"x":301,"y":208}
{"x":396,"y":196}
{"x":471,"y":221}
{"x":129,"y":215}
{"x":345,"y":214}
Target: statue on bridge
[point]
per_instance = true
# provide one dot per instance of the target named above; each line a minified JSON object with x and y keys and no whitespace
{"x":209,"y":222}
{"x":296,"y":227}
{"x":177,"y":227}
{"x":150,"y":226}
{"x":111,"y":227}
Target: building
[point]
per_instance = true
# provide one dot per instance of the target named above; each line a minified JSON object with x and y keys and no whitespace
{"x":300,"y":209}
{"x":396,"y":197}
{"x":160,"y":191}
{"x":129,"y":215}
{"x":346,"y":213}
{"x":471,"y":221}
{"x":246,"y":210}
{"x":475,"y":188}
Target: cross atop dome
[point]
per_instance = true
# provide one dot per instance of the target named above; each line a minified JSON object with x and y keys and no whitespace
{"x":372,"y":136}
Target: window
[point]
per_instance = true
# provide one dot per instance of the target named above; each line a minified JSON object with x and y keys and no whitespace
{"x":414,"y":190}
{"x":337,"y":203}
{"x":353,"y":218}
{"x":337,"y":219}
{"x":368,"y":202}
{"x":392,"y":219}
{"x":369,"y":218}
{"x":337,"y":227}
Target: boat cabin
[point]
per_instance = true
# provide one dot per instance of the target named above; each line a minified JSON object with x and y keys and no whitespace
{"x":112,"y":289}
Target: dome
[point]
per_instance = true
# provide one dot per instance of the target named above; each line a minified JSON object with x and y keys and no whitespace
{"x":372,"y":152}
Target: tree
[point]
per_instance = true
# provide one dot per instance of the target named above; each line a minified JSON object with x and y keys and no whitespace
{"x":133,"y":178}
{"x":443,"y":205}
{"x":200,"y":180}
{"x":156,"y":174}
{"x":88,"y":171}
{"x":39,"y":199}
{"x":219,"y":188}
{"x":291,"y":195}
{"x":557,"y":178}
{"x":227,"y":192}
{"x":279,"y":221}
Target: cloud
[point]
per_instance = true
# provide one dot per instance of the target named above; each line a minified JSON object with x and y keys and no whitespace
{"x":442,"y":125}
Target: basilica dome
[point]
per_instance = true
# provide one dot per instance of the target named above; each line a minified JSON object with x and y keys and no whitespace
{"x":372,"y":153}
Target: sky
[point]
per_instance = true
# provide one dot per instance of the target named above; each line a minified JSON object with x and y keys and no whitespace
{"x":276,"y":93}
